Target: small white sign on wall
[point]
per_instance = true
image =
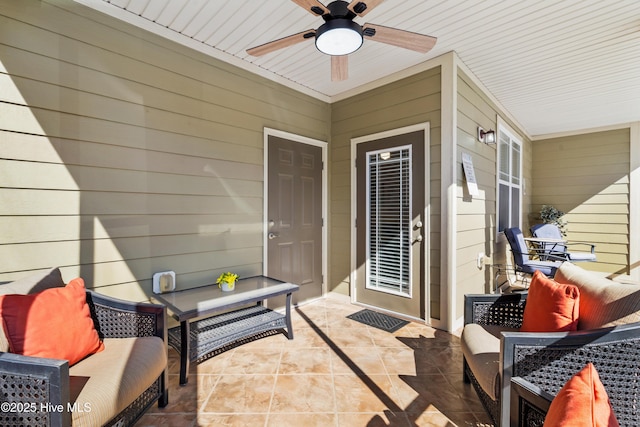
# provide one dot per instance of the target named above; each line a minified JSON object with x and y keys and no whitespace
{"x":470,"y":175}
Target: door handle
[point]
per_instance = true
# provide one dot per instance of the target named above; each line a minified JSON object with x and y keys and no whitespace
{"x":418,"y":238}
{"x":272,"y":236}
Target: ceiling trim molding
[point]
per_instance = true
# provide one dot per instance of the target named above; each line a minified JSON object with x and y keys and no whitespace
{"x":584,"y":131}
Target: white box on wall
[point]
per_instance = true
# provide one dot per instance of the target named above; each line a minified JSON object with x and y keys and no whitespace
{"x":164,"y":281}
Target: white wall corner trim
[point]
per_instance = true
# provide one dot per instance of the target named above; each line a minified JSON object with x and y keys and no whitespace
{"x":634,"y":201}
{"x":448,"y":291}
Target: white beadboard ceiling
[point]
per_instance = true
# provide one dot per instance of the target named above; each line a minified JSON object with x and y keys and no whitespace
{"x":555,"y":65}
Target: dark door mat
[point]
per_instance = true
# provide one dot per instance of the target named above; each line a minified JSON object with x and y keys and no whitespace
{"x":378,"y":320}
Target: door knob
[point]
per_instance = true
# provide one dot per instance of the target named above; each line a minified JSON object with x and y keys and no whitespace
{"x":418,"y":238}
{"x":272,"y":236}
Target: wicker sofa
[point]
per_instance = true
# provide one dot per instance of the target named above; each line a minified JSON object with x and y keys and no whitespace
{"x":496,"y":355}
{"x":112,"y":387}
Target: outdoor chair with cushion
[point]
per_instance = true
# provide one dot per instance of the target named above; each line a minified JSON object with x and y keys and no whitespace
{"x":73,"y":357}
{"x":526,"y":260}
{"x":553,"y":246}
{"x":545,"y":336}
{"x":582,"y":401}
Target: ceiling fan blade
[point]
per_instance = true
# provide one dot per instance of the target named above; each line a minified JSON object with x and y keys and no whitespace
{"x":401,"y":38}
{"x":272,"y":46}
{"x":362,"y":7}
{"x":339,"y":68}
{"x":312,"y":6}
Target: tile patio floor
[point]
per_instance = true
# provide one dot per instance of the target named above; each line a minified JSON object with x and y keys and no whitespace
{"x":335,"y":372}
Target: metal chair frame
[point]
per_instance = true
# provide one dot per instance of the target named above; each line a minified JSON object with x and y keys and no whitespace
{"x":526,"y":260}
{"x":559,"y":249}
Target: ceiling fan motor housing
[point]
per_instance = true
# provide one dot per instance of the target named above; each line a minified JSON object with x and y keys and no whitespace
{"x":338,"y":9}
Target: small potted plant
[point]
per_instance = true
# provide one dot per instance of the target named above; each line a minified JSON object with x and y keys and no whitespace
{"x":227,"y":281}
{"x":551,"y":215}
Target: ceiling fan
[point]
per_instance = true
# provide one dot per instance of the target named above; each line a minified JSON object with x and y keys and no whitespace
{"x":340,"y":35}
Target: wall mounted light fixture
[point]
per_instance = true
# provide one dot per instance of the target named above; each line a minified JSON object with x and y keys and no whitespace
{"x":488,"y":137}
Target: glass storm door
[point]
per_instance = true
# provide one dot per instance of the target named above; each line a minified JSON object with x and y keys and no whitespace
{"x":390,"y":232}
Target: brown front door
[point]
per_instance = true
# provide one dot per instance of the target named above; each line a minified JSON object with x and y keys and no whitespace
{"x":294,"y":215}
{"x":390,"y":224}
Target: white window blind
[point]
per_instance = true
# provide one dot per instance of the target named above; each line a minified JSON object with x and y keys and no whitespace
{"x":389,"y":220}
{"x":509,"y":181}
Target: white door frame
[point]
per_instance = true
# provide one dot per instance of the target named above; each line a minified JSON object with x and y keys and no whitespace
{"x":426,"y":214}
{"x":265,"y":226}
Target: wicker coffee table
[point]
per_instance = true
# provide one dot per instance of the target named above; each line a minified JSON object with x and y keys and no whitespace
{"x":217,"y":326}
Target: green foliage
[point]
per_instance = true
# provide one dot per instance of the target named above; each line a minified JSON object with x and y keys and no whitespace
{"x":551,"y":215}
{"x":227,"y":277}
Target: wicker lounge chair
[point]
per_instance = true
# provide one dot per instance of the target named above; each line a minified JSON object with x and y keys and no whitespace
{"x":548,"y":365}
{"x":608,"y":336}
{"x":112,"y":387}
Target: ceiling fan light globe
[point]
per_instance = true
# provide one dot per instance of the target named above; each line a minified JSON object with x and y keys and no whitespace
{"x":339,"y":37}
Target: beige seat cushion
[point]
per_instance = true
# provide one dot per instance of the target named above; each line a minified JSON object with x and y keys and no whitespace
{"x":32,"y":284}
{"x":481,"y":349}
{"x":603,"y":302}
{"x":107,"y":382}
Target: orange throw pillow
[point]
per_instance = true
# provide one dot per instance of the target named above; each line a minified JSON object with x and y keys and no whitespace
{"x":55,"y":323}
{"x":582,"y":401}
{"x":551,"y":306}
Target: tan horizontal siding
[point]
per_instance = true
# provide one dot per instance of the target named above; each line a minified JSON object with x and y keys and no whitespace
{"x":406,"y":112}
{"x":415,"y":99}
{"x":56,"y":202}
{"x":22,"y":174}
{"x":580,"y":187}
{"x":124,"y":154}
{"x":573,"y":184}
{"x":587,"y":176}
{"x":596,"y":208}
{"x":471,"y":239}
{"x":64,"y":253}
{"x":137,"y":57}
{"x":470,"y":222}
{"x":49,"y":228}
{"x":612,"y":226}
{"x":476,"y":215}
{"x":107,"y":145}
{"x":187,"y":116}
